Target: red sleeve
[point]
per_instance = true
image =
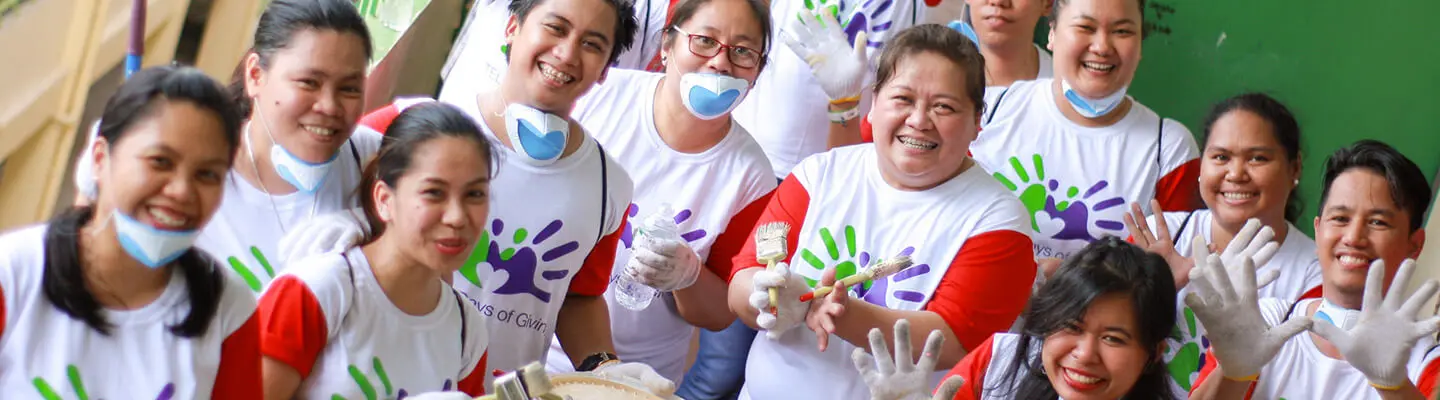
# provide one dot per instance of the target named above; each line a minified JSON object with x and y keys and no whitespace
{"x":1177,"y":191}
{"x":474,"y":384}
{"x":788,"y":204}
{"x":986,"y":286}
{"x":594,"y":274}
{"x":380,"y":119}
{"x":1210,"y":368}
{"x":721,"y":260}
{"x":292,"y":325}
{"x":1428,"y":377}
{"x":866,"y":133}
{"x":1314,"y":293}
{"x":239,"y":374}
{"x":973,"y":368}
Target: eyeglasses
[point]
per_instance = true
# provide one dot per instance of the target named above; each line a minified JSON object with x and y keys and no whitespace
{"x":709,"y":47}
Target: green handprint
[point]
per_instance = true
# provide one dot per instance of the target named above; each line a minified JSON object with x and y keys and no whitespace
{"x":73,"y":374}
{"x":245,"y":272}
{"x":1035,"y":194}
{"x":364,"y":382}
{"x":843,"y":267}
{"x":1187,"y":357}
{"x":815,"y":7}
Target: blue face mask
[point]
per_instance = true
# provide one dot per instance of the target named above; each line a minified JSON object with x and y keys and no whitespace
{"x":305,"y":176}
{"x":149,"y":245}
{"x":1341,"y":317}
{"x":537,"y":136}
{"x":965,"y":29}
{"x":711,"y":96}
{"x":1093,"y":108}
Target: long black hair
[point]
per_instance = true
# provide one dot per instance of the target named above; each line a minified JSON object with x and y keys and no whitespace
{"x":1283,"y":126}
{"x":138,"y":100}
{"x":413,"y":127}
{"x":280,"y":22}
{"x":1106,"y":266}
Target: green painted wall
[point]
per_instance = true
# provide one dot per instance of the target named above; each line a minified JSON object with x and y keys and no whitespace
{"x":1348,"y":70}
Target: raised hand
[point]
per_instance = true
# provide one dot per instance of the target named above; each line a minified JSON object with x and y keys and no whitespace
{"x":1254,"y":241}
{"x":1159,"y":242}
{"x":899,"y":378}
{"x":837,"y":65}
{"x":1230,"y":310}
{"x":1380,"y":343}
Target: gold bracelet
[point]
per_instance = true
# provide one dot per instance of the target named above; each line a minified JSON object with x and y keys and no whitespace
{"x":851,"y":99}
{"x":1250,"y":378}
{"x":1386,"y":388}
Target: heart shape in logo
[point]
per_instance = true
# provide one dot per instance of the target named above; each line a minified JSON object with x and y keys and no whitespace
{"x":542,"y":146}
{"x":709,"y":103}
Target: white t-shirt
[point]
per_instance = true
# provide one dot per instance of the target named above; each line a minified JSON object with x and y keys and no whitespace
{"x":43,"y":349}
{"x":244,"y":234}
{"x":330,"y":320}
{"x":851,"y":216}
{"x":1296,"y":261}
{"x":707,"y":190}
{"x":476,"y":63}
{"x":1078,"y":182}
{"x":988,"y":367}
{"x":1301,"y":371}
{"x":1046,"y":71}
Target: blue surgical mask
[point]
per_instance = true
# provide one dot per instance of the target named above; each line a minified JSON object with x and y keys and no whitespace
{"x":1341,"y":317}
{"x":149,"y":245}
{"x":965,"y":29}
{"x":710,"y":96}
{"x":1092,"y":108}
{"x":306,"y":176}
{"x":537,"y":136}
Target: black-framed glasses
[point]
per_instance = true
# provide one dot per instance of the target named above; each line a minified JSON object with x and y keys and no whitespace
{"x":709,"y":47}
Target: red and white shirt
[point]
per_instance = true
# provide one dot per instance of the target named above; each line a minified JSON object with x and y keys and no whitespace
{"x":47,"y":354}
{"x":1077,"y":182}
{"x":986,"y":368}
{"x":972,"y":262}
{"x":717,"y":195}
{"x":1299,"y":269}
{"x":330,"y":320}
{"x":1301,"y":371}
{"x":552,"y":232}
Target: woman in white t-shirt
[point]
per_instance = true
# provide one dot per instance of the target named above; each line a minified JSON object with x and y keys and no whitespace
{"x":300,"y":89}
{"x":1096,"y":330}
{"x":1250,"y":170}
{"x":380,"y":317}
{"x":1075,"y":149}
{"x":673,"y":134}
{"x":113,"y":300}
{"x":912,"y":193}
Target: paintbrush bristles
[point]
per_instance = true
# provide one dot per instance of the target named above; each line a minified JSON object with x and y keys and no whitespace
{"x":889,"y":267}
{"x":770,"y":242}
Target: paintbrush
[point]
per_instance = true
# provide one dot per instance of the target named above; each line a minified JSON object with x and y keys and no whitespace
{"x":769,"y":250}
{"x":873,"y":272}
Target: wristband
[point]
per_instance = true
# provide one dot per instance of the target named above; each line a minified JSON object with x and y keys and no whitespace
{"x":839,"y":117}
{"x":1385,"y":388}
{"x":596,"y":360}
{"x":1250,"y":378}
{"x":843,"y":100}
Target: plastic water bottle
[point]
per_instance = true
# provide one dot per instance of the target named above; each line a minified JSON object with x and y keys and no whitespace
{"x":659,"y":225}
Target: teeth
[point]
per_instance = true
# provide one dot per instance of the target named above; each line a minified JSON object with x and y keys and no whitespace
{"x":320,"y":131}
{"x":1237,"y":196}
{"x":1098,"y":66}
{"x":1354,"y":260}
{"x":554,"y":75}
{"x":166,"y":219}
{"x":917,"y":143}
{"x":1081,"y":378}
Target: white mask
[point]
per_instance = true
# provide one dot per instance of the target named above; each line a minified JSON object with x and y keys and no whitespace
{"x":539,"y":137}
{"x":710,"y":96}
{"x":1093,"y":108}
{"x":149,"y":245}
{"x":1341,"y":317}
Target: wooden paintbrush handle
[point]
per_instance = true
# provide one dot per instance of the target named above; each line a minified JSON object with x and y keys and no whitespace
{"x":774,"y":292}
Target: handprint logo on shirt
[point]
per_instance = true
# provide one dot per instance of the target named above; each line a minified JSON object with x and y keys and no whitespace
{"x":1039,"y":194}
{"x":627,"y":234}
{"x":77,"y":386}
{"x":1187,"y":357}
{"x":873,"y":16}
{"x":520,"y":263}
{"x":368,"y":389}
{"x":247,"y":274}
{"x":850,"y":263}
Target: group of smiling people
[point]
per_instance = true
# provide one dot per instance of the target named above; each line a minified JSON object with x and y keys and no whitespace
{"x":273,"y":239}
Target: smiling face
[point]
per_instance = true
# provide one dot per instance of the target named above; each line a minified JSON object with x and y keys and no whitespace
{"x":1359,"y":223}
{"x":311,"y":94}
{"x":558,"y":52}
{"x":727,"y":22}
{"x":1099,"y":357}
{"x":923,"y":122}
{"x":1000,"y":22}
{"x":1096,"y":45}
{"x":1246,"y":173}
{"x":437,"y":208}
{"x":167,"y":171}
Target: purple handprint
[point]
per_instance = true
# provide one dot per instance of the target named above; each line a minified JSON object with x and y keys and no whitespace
{"x":521,"y":263}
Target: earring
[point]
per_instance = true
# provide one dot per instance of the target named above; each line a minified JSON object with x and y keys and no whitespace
{"x":1297,"y":182}
{"x":505,"y":49}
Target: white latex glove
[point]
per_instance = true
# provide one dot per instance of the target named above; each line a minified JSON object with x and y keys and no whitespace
{"x":666,"y":265}
{"x":327,"y":233}
{"x":441,"y":396}
{"x":639,"y":373}
{"x":838,"y":67}
{"x":1230,"y":311}
{"x":1254,"y":241}
{"x":790,"y":309}
{"x":1380,"y":343}
{"x":898,"y":378}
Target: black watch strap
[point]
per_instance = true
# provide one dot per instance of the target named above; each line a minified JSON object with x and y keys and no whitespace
{"x":594,"y":360}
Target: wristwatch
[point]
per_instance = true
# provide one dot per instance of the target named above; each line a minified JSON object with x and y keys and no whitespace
{"x":596,"y":360}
